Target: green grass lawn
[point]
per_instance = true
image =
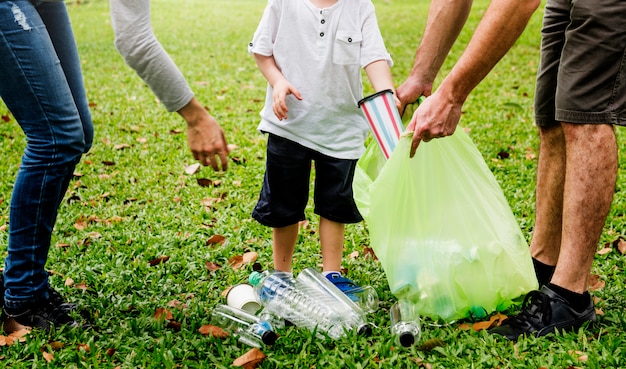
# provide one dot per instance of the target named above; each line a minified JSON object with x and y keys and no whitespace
{"x":132,"y":202}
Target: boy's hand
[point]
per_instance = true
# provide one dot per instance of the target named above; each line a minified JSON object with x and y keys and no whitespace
{"x":279,"y":98}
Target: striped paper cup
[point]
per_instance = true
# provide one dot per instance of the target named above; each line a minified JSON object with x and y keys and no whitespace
{"x":384,"y":119}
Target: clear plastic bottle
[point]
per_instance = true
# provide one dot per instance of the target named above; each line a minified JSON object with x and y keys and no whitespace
{"x":250,"y":329}
{"x":303,"y":306}
{"x":405,"y":323}
{"x":351,"y":311}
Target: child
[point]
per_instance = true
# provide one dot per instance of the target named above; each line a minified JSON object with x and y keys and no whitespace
{"x":311,"y":53}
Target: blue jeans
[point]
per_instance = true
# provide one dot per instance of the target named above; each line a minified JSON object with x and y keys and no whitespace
{"x":42,"y":85}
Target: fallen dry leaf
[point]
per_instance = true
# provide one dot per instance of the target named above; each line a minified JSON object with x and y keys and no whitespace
{"x":159,"y":260}
{"x":48,"y":356}
{"x":163,"y":313}
{"x":595,"y":283}
{"x":216,"y":239}
{"x":213,"y":331}
{"x":605,"y":250}
{"x":581,"y":356}
{"x":211,"y":266}
{"x":250,"y":257}
{"x":250,"y":359}
{"x":192,"y":169}
{"x":236,"y":262}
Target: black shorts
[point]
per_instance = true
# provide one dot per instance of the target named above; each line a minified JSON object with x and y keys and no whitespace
{"x":582,"y":74}
{"x":285,"y":191}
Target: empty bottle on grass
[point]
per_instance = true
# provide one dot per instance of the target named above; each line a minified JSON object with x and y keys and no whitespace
{"x":250,"y":329}
{"x":352,"y":313}
{"x":405,"y":323}
{"x":302,"y":305}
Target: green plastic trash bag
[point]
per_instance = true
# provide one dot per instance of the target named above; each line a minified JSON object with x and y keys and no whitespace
{"x":442,"y":229}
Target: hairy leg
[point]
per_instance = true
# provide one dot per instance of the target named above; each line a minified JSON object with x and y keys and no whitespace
{"x":546,"y":238}
{"x":590,"y":177}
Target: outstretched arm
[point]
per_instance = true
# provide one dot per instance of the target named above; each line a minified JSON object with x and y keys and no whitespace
{"x":446,"y":19}
{"x":498,"y":30}
{"x":136,"y":42}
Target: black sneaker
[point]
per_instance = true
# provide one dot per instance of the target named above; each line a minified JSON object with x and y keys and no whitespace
{"x":58,"y":300}
{"x":43,"y":315}
{"x":543,"y":312}
{"x":53,"y":296}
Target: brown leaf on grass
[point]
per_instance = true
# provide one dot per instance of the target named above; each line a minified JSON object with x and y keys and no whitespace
{"x":421,"y":363}
{"x":595,"y":283}
{"x":176,"y":131}
{"x":48,"y":356}
{"x":56,"y":345}
{"x":122,"y":146}
{"x":213,"y":331}
{"x":177,"y":304}
{"x":205,"y":182}
{"x":250,"y":257}
{"x":83,"y":347}
{"x":82,"y":286}
{"x":368,"y":252}
{"x":159,"y":260}
{"x":174,"y":325}
{"x":250,"y":359}
{"x":110,"y":351}
{"x":464,"y":326}
{"x":621,"y":246}
{"x":238,"y":261}
{"x":494,"y":320}
{"x":353,"y":255}
{"x":108,"y":163}
{"x":80,"y":225}
{"x":216,"y":239}
{"x":163,"y":313}
{"x":604,"y":251}
{"x":225,"y":292}
{"x":581,"y":356}
{"x":68,"y":282}
{"x":431,"y":344}
{"x":6,"y":118}
{"x":211,"y":266}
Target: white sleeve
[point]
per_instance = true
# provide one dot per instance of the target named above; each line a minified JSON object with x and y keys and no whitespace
{"x":136,"y":42}
{"x":373,"y":46}
{"x":263,"y":40}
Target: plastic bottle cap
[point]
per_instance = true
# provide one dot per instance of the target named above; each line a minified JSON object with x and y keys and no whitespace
{"x":365,"y":330}
{"x":269,"y":337}
{"x":407,"y":339}
{"x":255,"y":278}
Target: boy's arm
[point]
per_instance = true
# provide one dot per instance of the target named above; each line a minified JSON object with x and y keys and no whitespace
{"x":280,"y":86}
{"x":379,"y":75}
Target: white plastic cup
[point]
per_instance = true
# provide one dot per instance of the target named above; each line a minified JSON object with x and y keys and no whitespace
{"x":384,"y":119}
{"x":242,"y":296}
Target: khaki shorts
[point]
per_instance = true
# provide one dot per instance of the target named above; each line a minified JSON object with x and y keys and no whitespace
{"x":582,"y":74}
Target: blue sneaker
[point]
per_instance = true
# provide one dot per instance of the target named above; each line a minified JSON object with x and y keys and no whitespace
{"x":345,"y":285}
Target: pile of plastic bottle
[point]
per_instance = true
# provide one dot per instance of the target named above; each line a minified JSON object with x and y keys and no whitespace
{"x":311,"y":301}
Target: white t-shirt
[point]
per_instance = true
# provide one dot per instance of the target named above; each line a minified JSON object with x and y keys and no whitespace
{"x":320,"y":52}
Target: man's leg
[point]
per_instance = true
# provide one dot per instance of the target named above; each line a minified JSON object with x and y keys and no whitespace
{"x":546,"y":239}
{"x":590,"y":176}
